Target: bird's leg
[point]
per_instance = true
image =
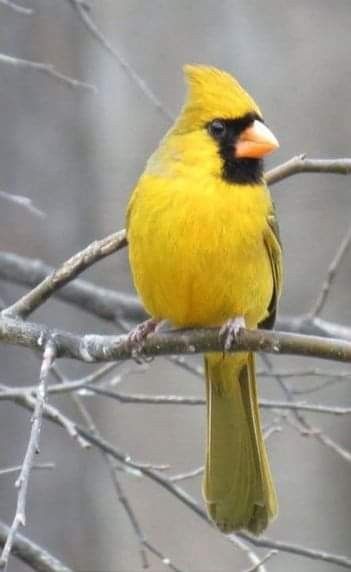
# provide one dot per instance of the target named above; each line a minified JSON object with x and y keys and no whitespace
{"x":137,"y":336}
{"x":230,"y":330}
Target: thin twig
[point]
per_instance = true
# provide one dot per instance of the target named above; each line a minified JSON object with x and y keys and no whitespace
{"x":187,"y":475}
{"x":122,"y":62}
{"x":47,"y":69}
{"x":130,"y":512}
{"x":189,"y":400}
{"x":164,"y":559}
{"x":255,"y":567}
{"x":305,"y":372}
{"x":50,"y":412}
{"x":17,"y":8}
{"x":36,"y":466}
{"x":32,"y":448}
{"x":331,"y":275}
{"x":23,"y":202}
{"x":251,"y":555}
{"x":302,"y":425}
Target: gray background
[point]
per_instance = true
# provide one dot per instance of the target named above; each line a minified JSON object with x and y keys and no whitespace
{"x":78,"y":156}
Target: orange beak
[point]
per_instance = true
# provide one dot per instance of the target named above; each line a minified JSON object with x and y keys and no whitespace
{"x":256,"y":141}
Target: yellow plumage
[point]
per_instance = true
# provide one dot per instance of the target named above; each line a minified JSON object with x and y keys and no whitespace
{"x":203,"y":250}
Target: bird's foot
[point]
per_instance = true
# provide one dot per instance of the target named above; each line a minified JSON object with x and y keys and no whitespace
{"x":230,"y":330}
{"x":138,"y":335}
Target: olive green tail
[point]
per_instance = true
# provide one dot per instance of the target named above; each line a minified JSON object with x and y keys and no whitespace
{"x":238,"y":486}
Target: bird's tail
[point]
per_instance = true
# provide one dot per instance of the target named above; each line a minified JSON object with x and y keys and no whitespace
{"x":238,"y":486}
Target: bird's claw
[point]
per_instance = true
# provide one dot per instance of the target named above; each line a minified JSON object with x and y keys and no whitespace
{"x":137,"y":337}
{"x":230,"y":330}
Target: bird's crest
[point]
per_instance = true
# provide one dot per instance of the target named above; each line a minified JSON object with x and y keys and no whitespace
{"x":213,"y":93}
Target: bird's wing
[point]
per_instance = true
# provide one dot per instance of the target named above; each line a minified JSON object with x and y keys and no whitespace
{"x":274,"y":251}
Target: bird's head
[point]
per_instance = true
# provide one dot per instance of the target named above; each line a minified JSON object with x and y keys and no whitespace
{"x":222,"y":126}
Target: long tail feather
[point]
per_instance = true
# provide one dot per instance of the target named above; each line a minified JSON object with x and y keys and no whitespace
{"x":238,"y":486}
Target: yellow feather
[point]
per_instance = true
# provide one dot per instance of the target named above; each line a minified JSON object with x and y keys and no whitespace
{"x":198,"y":254}
{"x":213,"y":93}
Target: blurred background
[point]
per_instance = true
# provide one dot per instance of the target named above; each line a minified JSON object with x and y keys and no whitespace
{"x":77,"y":156}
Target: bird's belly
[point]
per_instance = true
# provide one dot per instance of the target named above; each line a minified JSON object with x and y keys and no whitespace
{"x":210,"y":295}
{"x":204,"y":272}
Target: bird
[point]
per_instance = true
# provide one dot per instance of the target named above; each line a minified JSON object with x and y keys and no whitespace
{"x":204,"y":251}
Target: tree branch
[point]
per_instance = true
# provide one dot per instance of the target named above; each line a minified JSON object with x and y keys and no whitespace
{"x":301,"y":164}
{"x":68,"y":271}
{"x":32,"y":448}
{"x":32,"y":554}
{"x":17,"y":8}
{"x":104,"y":303}
{"x":36,"y":466}
{"x":47,"y":69}
{"x":92,"y":348}
{"x":191,"y":400}
{"x":166,"y":482}
{"x":188,"y":501}
{"x":331,"y":275}
{"x":22,"y":201}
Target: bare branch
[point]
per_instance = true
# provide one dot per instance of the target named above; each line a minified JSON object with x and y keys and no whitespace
{"x":23,"y":202}
{"x":303,"y":426}
{"x":36,"y":466}
{"x":92,"y":348}
{"x":130,"y":512}
{"x":32,"y":448}
{"x":122,"y":62}
{"x":17,"y":8}
{"x":187,"y":475}
{"x":303,"y":406}
{"x":331,"y":274}
{"x":301,"y":164}
{"x":102,"y":302}
{"x":166,"y":483}
{"x":146,"y":399}
{"x":68,"y":271}
{"x":47,"y":69}
{"x":187,"y":500}
{"x":32,"y":554}
{"x":188,"y":400}
{"x":252,"y":556}
{"x":27,"y":400}
{"x":256,"y":567}
{"x":164,"y":559}
{"x":17,"y":393}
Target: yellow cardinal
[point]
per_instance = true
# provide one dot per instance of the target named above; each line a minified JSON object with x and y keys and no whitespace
{"x":204,"y":251}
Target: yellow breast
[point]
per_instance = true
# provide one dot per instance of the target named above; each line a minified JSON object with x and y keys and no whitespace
{"x":196,"y":249}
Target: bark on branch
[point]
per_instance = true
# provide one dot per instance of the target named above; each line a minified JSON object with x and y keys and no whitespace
{"x":92,"y":348}
{"x":32,"y":554}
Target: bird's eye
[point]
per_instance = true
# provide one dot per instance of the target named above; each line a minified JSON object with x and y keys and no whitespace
{"x":217,"y":129}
